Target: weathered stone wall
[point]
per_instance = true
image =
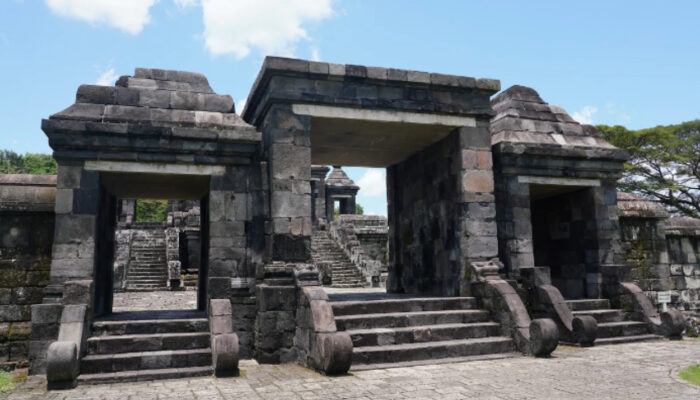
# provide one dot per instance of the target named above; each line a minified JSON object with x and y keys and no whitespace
{"x":26,"y":236}
{"x":683,"y":243}
{"x":441,"y":214}
{"x":372,"y":232}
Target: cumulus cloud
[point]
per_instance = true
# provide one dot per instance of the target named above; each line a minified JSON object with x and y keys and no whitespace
{"x":372,"y":183}
{"x":585,"y":115}
{"x":273,"y":27}
{"x":240,"y":105}
{"x":106,"y":78}
{"x":129,"y":16}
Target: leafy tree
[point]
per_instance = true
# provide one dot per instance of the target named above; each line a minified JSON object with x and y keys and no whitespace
{"x":151,"y":210}
{"x":37,"y":164}
{"x":664,"y":164}
{"x":40,"y":164}
{"x":358,"y":210}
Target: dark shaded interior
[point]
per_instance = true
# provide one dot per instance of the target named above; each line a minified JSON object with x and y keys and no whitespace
{"x":564,"y":235}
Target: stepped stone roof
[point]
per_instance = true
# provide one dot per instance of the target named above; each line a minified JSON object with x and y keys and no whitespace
{"x":523,"y":117}
{"x":631,"y":205}
{"x":339,"y":179}
{"x":175,"y":104}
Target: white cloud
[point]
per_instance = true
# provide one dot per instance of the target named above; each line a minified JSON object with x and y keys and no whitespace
{"x":585,"y":115}
{"x":106,"y":78}
{"x":372,"y":183}
{"x":272,"y":27}
{"x":240,"y":105}
{"x":129,"y":16}
{"x":315,"y":54}
{"x":186,"y":3}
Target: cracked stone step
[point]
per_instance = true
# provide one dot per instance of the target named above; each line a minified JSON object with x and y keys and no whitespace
{"x":150,"y":326}
{"x":403,"y":319}
{"x":147,"y":342}
{"x":431,"y":350}
{"x":588,"y":304}
{"x":144,"y":375}
{"x":101,"y":363}
{"x":627,"y":339}
{"x":351,"y":307}
{"x":609,"y":315}
{"x":622,"y":328}
{"x":419,"y":334}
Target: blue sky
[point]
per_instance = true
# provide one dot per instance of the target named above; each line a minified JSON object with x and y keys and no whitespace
{"x":612,"y":62}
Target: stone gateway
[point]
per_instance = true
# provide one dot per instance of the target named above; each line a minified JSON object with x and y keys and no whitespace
{"x":503,"y":232}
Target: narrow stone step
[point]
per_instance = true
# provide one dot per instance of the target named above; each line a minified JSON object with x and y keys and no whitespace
{"x":435,"y":361}
{"x":627,"y":339}
{"x":418,"y":334}
{"x":147,"y":342}
{"x":609,"y":315}
{"x":395,"y":320}
{"x":622,"y":328}
{"x":588,"y":304}
{"x":431,"y":350}
{"x":101,"y":363}
{"x":144,"y":375}
{"x":403,"y":305}
{"x":150,"y":326}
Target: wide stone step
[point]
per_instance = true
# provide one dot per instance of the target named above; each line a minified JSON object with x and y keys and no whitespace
{"x":347,"y":285}
{"x":419,"y":334}
{"x":147,"y":342}
{"x":403,"y":305}
{"x":623,"y":328}
{"x":431,"y":350}
{"x":100,"y":363}
{"x":144,"y":375}
{"x":609,"y":315}
{"x":588,"y":304}
{"x":150,"y":326}
{"x":627,"y":339}
{"x":396,"y":320}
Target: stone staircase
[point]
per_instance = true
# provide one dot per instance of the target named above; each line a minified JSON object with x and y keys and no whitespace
{"x":344,"y":273}
{"x":148,"y":269}
{"x":390,"y":331}
{"x":614,"y":325}
{"x":148,"y":347}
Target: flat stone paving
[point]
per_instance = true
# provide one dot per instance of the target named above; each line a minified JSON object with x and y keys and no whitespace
{"x":154,"y":301}
{"x":626,"y":371}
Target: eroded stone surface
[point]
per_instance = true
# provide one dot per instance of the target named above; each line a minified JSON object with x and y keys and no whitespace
{"x":631,"y":371}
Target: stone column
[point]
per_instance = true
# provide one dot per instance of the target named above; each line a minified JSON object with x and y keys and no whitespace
{"x":74,"y":247}
{"x":514,"y":224}
{"x":289,"y":154}
{"x":478,"y":233}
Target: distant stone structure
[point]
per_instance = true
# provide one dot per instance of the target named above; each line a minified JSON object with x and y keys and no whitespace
{"x":503,"y":227}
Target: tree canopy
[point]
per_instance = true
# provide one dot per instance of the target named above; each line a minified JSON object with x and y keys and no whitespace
{"x":30,"y":163}
{"x":664,"y":164}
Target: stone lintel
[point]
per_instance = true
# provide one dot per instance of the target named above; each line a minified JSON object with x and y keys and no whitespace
{"x":541,"y":180}
{"x":154,"y":168}
{"x":382,"y":115}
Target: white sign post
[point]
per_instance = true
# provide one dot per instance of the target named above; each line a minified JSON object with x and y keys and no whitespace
{"x":664,"y":298}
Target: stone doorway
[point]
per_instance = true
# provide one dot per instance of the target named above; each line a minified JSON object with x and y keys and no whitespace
{"x":140,"y":263}
{"x":564,"y":236}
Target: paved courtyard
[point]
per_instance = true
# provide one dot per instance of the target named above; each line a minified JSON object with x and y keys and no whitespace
{"x":155,"y":301}
{"x":629,"y":371}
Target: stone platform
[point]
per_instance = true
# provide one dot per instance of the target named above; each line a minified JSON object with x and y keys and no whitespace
{"x":155,"y":301}
{"x":628,"y":371}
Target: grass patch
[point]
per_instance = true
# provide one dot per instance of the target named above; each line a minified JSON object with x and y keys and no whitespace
{"x":6,"y":381}
{"x":691,"y":374}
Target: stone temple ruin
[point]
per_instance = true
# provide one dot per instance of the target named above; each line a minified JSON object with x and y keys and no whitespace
{"x":505,"y":232}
